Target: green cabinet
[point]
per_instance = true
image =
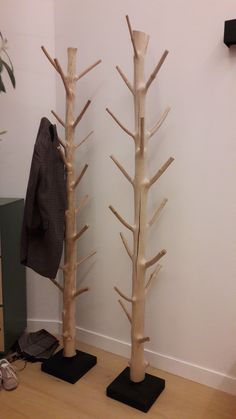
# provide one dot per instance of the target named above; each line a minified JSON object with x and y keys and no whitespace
{"x":12,"y":274}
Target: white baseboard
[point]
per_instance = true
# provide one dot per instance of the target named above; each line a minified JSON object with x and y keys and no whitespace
{"x":173,"y":365}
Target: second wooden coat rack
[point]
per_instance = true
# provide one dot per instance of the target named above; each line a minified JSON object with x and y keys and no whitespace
{"x":134,"y":386}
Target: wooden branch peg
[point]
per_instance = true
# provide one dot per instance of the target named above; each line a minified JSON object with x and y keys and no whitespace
{"x":126,"y":311}
{"x":161,"y":171}
{"x":58,"y":118}
{"x":84,"y":259}
{"x":82,"y":74}
{"x":124,"y":241}
{"x":157,"y":212}
{"x":152,"y":276}
{"x":128,"y":177}
{"x":155,"y":258}
{"x":63,"y":77}
{"x":78,"y":119}
{"x":85,"y":139}
{"x":81,"y":232}
{"x":121,"y":294}
{"x":121,"y":219}
{"x":80,"y":175}
{"x":131,"y":36}
{"x":50,"y":59}
{"x":57,"y":284}
{"x":157,"y":68}
{"x":82,"y":203}
{"x":80,"y":291}
{"x":123,"y":76}
{"x":120,"y":124}
{"x":159,"y":123}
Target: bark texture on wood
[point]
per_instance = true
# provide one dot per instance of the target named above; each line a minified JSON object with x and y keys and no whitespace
{"x":141,"y":185}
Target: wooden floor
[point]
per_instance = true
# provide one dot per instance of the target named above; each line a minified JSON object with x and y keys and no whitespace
{"x":41,"y":396}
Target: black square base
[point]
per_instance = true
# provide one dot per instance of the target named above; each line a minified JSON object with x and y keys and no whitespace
{"x":139,"y":395}
{"x":230,"y":32}
{"x":69,"y":369}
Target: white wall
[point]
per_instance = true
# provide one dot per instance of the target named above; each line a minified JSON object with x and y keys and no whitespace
{"x":27,"y":25}
{"x":191,"y":309}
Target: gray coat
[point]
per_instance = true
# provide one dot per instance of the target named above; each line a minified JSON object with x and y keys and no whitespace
{"x":44,"y":215}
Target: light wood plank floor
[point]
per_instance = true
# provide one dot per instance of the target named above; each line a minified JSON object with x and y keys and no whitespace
{"x":41,"y":396}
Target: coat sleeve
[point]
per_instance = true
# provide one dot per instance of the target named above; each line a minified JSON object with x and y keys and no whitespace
{"x":35,"y":214}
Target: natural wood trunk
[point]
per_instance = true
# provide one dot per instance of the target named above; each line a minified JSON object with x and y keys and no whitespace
{"x":69,"y":303}
{"x":137,"y":363}
{"x":141,"y":185}
{"x":67,"y":152}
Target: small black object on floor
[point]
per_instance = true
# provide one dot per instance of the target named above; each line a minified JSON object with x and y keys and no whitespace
{"x":69,"y":369}
{"x":139,"y":395}
{"x":230,"y":32}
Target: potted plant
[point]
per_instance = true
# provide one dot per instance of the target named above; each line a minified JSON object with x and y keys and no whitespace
{"x":6,"y":66}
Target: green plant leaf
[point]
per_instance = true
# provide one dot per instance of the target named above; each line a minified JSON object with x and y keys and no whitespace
{"x":10,"y":73}
{"x":5,"y":52}
{"x":1,"y":65}
{"x":2,"y":87}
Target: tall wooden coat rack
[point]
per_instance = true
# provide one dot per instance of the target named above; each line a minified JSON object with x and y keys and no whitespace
{"x":148,"y":387}
{"x":70,"y":364}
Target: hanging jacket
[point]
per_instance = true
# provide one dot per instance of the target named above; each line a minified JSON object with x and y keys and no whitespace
{"x":44,"y":214}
